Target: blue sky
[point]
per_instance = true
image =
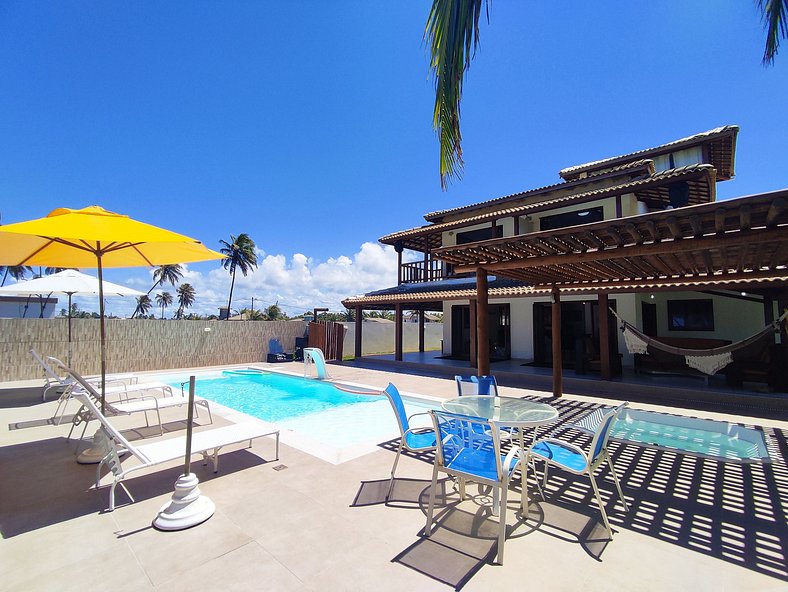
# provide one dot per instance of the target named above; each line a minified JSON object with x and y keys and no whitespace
{"x":308,"y":125}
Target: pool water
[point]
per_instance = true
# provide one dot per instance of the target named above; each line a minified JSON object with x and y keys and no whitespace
{"x":702,"y":437}
{"x":272,"y":397}
{"x":313,"y":416}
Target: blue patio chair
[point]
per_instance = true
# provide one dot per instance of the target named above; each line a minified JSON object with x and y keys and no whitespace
{"x":470,"y":448}
{"x":476,"y":385}
{"x":575,"y":460}
{"x":415,"y":439}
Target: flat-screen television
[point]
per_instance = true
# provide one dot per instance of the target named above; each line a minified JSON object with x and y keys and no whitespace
{"x":691,"y":315}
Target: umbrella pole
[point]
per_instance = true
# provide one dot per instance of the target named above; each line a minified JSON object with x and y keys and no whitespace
{"x":188,"y":507}
{"x":69,"y":328}
{"x":101,"y":326}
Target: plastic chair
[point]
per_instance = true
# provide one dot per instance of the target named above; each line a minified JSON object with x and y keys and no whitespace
{"x":476,"y":385}
{"x":470,"y":448}
{"x":413,"y":439}
{"x":575,"y":460}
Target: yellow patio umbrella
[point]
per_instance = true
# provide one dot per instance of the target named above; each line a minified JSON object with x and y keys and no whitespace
{"x":94,"y":237}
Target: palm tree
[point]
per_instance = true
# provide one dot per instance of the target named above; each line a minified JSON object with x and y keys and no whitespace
{"x":240,"y":255}
{"x":163,"y":299}
{"x":169,"y":274}
{"x":144,"y":304}
{"x":186,"y":296}
{"x":775,"y":19}
{"x":166,"y":274}
{"x":18,"y":272}
{"x":274,"y":312}
{"x":452,"y":33}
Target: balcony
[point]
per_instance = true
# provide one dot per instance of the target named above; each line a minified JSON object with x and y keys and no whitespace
{"x":430,"y":271}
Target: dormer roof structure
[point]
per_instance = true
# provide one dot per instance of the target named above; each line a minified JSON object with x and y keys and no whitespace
{"x":718,"y":145}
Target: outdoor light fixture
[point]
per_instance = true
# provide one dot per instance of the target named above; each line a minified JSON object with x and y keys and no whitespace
{"x":207,"y":329}
{"x":744,"y":293}
{"x":652,"y":296}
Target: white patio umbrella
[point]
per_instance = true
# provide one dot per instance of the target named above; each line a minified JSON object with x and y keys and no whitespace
{"x":68,"y":282}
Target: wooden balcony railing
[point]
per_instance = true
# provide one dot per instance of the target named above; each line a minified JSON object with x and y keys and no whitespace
{"x":433,"y":271}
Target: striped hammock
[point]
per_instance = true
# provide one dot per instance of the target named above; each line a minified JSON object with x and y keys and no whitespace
{"x":708,"y":361}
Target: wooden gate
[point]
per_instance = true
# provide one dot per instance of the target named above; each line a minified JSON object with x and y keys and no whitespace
{"x":329,"y":337}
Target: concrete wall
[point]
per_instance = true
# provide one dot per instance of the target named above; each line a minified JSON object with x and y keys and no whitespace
{"x":138,"y":344}
{"x":378,"y":338}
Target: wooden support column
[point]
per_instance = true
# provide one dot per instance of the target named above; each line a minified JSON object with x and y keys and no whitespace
{"x":768,"y":309}
{"x":482,"y":315}
{"x":604,"y":336}
{"x":421,"y":331}
{"x":782,"y":306}
{"x":472,"y":323}
{"x":359,"y":329}
{"x":558,"y":378}
{"x":398,"y":332}
{"x":426,"y":277}
{"x":399,"y":248}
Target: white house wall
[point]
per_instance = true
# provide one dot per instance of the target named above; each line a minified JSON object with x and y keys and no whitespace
{"x":734,"y":319}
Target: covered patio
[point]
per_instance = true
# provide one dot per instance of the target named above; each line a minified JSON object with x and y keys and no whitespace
{"x":735,"y":245}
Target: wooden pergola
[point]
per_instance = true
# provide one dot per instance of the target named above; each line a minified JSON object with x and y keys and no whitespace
{"x":730,"y":244}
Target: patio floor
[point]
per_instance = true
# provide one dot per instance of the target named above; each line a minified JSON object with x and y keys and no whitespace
{"x":304,"y":524}
{"x":688,"y":391}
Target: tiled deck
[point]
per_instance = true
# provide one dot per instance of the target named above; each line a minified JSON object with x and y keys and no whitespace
{"x":682,"y":391}
{"x":693,"y":523}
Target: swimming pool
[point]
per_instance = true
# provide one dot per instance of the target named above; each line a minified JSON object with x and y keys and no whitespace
{"x":272,"y":397}
{"x":314,"y":416}
{"x":719,"y":440}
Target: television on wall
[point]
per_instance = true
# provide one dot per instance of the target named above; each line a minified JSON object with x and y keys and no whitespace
{"x":691,"y":315}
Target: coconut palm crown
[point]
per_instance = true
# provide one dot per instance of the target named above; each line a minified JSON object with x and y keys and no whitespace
{"x":240,"y":255}
{"x":186,"y":295}
{"x":452,"y":33}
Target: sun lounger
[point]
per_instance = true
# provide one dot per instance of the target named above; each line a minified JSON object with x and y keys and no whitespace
{"x":207,"y":443}
{"x":55,"y":381}
{"x":126,"y":406}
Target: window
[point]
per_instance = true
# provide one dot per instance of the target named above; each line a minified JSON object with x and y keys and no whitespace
{"x":472,"y":236}
{"x":690,"y":315}
{"x":571,"y":219}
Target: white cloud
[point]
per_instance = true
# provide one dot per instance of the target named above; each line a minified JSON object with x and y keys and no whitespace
{"x":298,"y":282}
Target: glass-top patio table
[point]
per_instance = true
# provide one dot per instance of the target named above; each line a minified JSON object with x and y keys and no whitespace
{"x":506,"y":412}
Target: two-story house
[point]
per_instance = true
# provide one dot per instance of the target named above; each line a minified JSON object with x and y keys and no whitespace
{"x":642,"y":234}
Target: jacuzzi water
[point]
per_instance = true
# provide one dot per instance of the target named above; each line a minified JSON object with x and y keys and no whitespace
{"x":703,"y":437}
{"x":314,"y":415}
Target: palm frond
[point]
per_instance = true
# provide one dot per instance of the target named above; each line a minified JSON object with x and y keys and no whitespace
{"x":773,"y":13}
{"x":452,"y":33}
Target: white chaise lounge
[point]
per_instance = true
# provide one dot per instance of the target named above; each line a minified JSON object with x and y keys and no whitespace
{"x":54,"y":381}
{"x":142,"y":404}
{"x":208,"y":443}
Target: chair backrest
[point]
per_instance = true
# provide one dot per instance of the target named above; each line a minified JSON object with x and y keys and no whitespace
{"x":459,"y":433}
{"x":602,"y":434}
{"x":51,"y":375}
{"x":395,"y":399}
{"x":476,"y":385}
{"x":274,"y":347}
{"x":88,"y":396}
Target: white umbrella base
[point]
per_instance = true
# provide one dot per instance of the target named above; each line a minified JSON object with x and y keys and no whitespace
{"x":187,"y":507}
